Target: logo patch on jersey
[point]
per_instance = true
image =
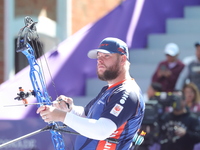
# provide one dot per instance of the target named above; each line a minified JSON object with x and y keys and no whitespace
{"x":116,"y":110}
{"x":122,"y":101}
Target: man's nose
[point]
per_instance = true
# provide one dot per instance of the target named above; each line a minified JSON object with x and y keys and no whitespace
{"x":99,"y":60}
{"x":100,"y":57}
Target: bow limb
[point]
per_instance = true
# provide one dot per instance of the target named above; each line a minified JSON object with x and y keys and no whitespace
{"x":37,"y":79}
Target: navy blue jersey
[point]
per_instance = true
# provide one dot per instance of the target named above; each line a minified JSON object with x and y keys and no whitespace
{"x":124,"y":105}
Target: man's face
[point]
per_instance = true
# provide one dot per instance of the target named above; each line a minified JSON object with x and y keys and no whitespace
{"x":108,"y":67}
{"x":178,"y":103}
{"x":171,"y":58}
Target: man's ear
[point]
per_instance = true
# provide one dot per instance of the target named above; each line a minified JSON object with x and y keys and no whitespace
{"x":124,"y":58}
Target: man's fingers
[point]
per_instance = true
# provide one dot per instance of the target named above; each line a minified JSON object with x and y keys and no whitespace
{"x":40,"y":109}
{"x":56,"y":104}
{"x":64,"y":102}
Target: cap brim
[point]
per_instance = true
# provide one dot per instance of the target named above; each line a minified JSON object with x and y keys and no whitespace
{"x":170,"y":54}
{"x":93,"y":53}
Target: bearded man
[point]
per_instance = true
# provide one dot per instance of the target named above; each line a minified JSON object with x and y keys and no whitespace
{"x":115,"y":113}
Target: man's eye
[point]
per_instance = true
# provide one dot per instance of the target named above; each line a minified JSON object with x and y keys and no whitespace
{"x":107,"y":55}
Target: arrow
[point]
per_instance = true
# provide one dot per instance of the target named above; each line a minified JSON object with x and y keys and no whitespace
{"x":45,"y":103}
{"x":26,"y":104}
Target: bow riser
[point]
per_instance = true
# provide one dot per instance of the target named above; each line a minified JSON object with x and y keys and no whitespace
{"x":35,"y":76}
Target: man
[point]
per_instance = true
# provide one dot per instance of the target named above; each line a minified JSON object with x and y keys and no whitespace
{"x":116,"y":112}
{"x":191,"y":72}
{"x":180,"y":129}
{"x":168,"y":70}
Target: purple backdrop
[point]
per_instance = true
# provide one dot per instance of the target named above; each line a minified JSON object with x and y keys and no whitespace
{"x":69,"y":64}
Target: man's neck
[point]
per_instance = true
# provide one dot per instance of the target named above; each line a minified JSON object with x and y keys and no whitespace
{"x":118,"y":79}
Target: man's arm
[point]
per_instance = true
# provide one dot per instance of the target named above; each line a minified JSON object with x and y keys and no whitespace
{"x":91,"y":128}
{"x":96,"y":129}
{"x":78,"y":110}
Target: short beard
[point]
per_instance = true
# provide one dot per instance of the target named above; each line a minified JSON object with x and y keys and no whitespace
{"x":110,"y":74}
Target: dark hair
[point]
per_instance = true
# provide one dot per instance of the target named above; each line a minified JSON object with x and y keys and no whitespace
{"x":197,"y":44}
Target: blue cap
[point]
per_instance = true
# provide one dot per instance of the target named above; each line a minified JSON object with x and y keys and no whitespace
{"x":110,"y":45}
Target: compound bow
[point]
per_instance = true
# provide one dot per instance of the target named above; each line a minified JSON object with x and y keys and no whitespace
{"x":26,"y":34}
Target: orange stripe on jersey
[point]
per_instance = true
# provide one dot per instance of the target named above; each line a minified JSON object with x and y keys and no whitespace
{"x":105,"y":145}
{"x":117,"y":83}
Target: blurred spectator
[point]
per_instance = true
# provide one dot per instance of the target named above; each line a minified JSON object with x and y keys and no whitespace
{"x":168,"y":71}
{"x":192,"y":97}
{"x":180,"y":129}
{"x":152,"y":91}
{"x":191,"y":71}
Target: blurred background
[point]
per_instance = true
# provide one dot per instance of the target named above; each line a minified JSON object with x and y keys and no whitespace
{"x":68,"y":29}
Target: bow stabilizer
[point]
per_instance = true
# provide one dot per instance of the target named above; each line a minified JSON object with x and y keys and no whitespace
{"x":24,"y":95}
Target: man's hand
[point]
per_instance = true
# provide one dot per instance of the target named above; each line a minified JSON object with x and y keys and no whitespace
{"x":51,"y":114}
{"x":164,"y":73}
{"x":64,"y":103}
